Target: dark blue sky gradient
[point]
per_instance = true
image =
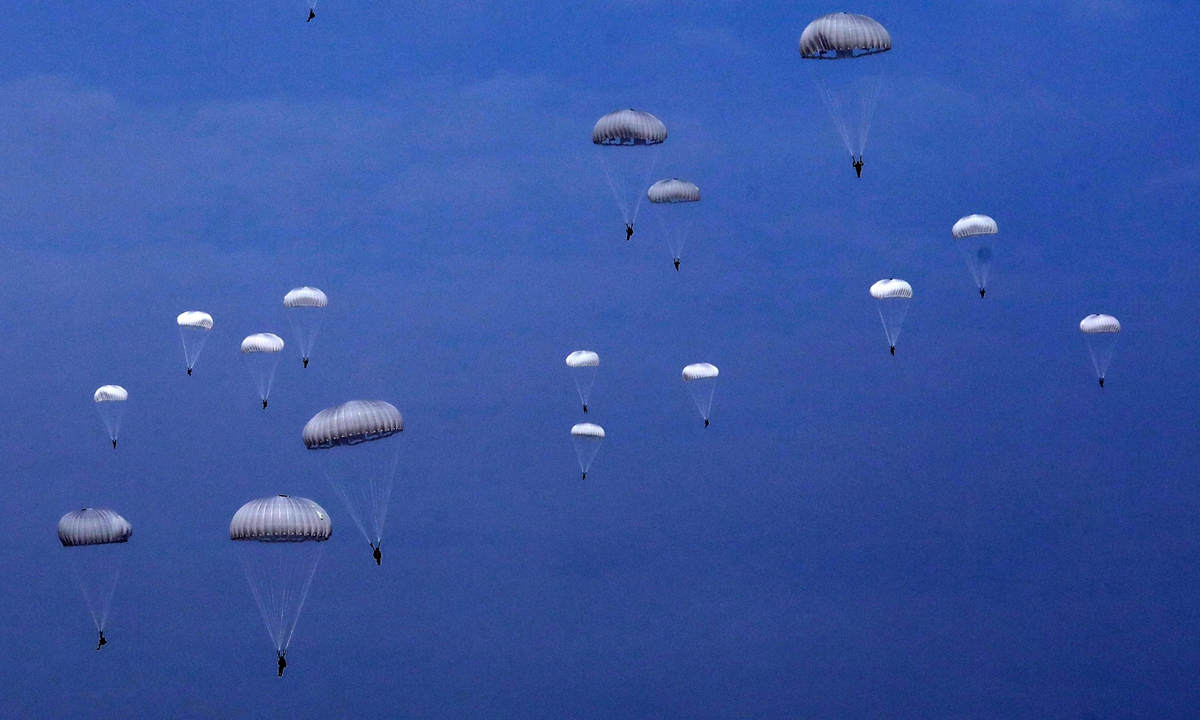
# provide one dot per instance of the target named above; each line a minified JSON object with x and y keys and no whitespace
{"x":970,"y":530}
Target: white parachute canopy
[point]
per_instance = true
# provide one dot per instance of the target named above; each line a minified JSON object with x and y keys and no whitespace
{"x":893,"y":296}
{"x":850,"y":84}
{"x":974,"y":235}
{"x":194,"y":327}
{"x":583,"y":364}
{"x":97,"y":564}
{"x":280,"y":541}
{"x":1101,"y":333}
{"x":629,"y":141}
{"x":110,"y":403}
{"x":675,"y":201}
{"x":587,"y":438}
{"x":261,"y":351}
{"x":701,"y":381}
{"x":358,"y":459}
{"x":304,"y":310}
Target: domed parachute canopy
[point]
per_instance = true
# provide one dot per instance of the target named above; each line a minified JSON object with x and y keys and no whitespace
{"x":701,"y":381}
{"x":305,"y":297}
{"x":110,"y":393}
{"x":893,"y":296}
{"x":98,"y":568}
{"x":699,"y":371}
{"x":91,"y":526}
{"x":195,"y":319}
{"x":1093,"y":324}
{"x":1101,"y":333}
{"x":891,"y":288}
{"x":281,"y":518}
{"x":262,"y":343}
{"x":587,"y":438}
{"x":587,"y":430}
{"x":583,"y":358}
{"x":973,"y":225}
{"x":280,"y":541}
{"x":352,"y":423}
{"x":673,"y":191}
{"x":843,"y":35}
{"x":629,"y":127}
{"x":975,"y":235}
{"x":362,"y":477}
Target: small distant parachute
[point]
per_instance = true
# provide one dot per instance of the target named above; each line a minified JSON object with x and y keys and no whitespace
{"x":194,"y":327}
{"x":98,"y":565}
{"x":261,"y":351}
{"x":280,"y":541}
{"x":627,"y":167}
{"x":893,"y":296}
{"x":359,"y":462}
{"x":1101,"y":333}
{"x":849,"y":86}
{"x":587,"y":438}
{"x":305,"y":314}
{"x":110,"y":403}
{"x":676,"y":198}
{"x":974,"y":234}
{"x":701,"y":381}
{"x":584,"y":364}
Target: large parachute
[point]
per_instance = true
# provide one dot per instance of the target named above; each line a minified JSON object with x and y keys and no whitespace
{"x":261,"y":351}
{"x":676,"y":200}
{"x":1101,"y":333}
{"x":304,"y":309}
{"x":634,"y":137}
{"x":98,"y":565}
{"x":974,"y":235}
{"x":110,"y":403}
{"x":893,"y":296}
{"x":701,"y":381}
{"x":850,"y":85}
{"x":280,"y":541}
{"x":587,"y":438}
{"x":583,"y":364}
{"x":194,"y":327}
{"x":359,"y":462}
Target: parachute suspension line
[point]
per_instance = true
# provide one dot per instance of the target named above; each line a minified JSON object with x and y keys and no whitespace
{"x":869,"y":99}
{"x":351,"y":504}
{"x":312,"y":571}
{"x":617,"y":194}
{"x":641,"y":193}
{"x":98,"y":587}
{"x":834,"y":104}
{"x":280,"y":584}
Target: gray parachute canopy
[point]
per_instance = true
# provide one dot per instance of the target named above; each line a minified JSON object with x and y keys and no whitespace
{"x":629,"y":127}
{"x":281,"y":518}
{"x":673,"y":191}
{"x":91,"y":526}
{"x":973,"y":226}
{"x":842,"y":35}
{"x":351,"y":423}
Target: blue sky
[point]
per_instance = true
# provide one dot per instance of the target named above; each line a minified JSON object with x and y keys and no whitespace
{"x":972,"y":529}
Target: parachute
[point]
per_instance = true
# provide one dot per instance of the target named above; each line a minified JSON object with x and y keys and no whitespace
{"x":98,"y":565}
{"x":974,"y":235}
{"x":674,"y":197}
{"x":849,"y":86}
{"x":359,"y":461}
{"x":893,"y":296}
{"x":626,"y":166}
{"x":280,"y":543}
{"x":261,"y":351}
{"x":701,"y":381}
{"x":110,"y":403}
{"x":194,"y":327}
{"x":587,"y":438}
{"x":304,"y":313}
{"x":583,"y":364}
{"x":1101,"y":333}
